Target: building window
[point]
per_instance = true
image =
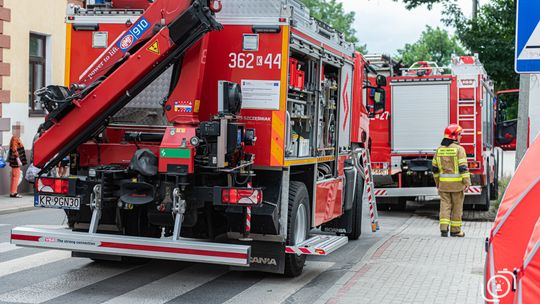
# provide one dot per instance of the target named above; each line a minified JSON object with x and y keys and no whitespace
{"x":37,"y":73}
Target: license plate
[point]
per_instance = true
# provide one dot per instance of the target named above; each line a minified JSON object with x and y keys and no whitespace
{"x":60,"y":202}
{"x":380,"y":171}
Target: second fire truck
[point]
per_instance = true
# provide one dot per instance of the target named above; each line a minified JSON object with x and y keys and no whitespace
{"x":408,"y":128}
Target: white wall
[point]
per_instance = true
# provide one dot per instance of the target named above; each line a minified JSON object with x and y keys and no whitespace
{"x":45,"y":17}
{"x":18,"y":112}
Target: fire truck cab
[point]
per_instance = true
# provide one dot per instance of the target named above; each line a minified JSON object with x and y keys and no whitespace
{"x":228,"y":151}
{"x":421,"y":103}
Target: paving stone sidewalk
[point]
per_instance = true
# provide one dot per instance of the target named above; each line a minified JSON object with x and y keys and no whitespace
{"x":11,"y":205}
{"x":416,"y":265}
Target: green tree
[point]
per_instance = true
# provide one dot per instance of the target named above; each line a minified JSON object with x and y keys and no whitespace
{"x":435,"y":44}
{"x":333,"y":13}
{"x":492,"y":35}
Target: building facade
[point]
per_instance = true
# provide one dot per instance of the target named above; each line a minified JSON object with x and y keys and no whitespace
{"x":32,"y":55}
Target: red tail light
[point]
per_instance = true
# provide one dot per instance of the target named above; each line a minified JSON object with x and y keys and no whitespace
{"x":52,"y":185}
{"x":379,"y":165}
{"x":473,"y":165}
{"x":241,"y":196}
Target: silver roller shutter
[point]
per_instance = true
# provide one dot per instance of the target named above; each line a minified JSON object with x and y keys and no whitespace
{"x":420,"y":113}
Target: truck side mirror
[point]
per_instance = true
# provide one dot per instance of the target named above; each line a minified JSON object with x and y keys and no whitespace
{"x":379,"y":102}
{"x":381,"y":81}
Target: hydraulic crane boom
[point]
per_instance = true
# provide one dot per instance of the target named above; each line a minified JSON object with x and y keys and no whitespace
{"x":154,"y":42}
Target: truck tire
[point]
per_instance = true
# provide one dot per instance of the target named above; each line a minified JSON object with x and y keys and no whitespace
{"x":297,"y":226}
{"x":485,"y":197}
{"x":391,"y":203}
{"x":480,"y":202}
{"x":357,"y":210}
{"x":494,"y":188}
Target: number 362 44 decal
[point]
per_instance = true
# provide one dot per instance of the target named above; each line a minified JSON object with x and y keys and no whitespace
{"x":251,"y":61}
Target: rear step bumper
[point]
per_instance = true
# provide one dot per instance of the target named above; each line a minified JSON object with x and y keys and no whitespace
{"x":318,"y":245}
{"x":419,"y":191}
{"x":181,"y":250}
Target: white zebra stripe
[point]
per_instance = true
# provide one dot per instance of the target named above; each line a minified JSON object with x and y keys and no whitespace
{"x":31,"y":261}
{"x":63,"y":284}
{"x":171,"y":286}
{"x":7,"y":246}
{"x":275,"y":289}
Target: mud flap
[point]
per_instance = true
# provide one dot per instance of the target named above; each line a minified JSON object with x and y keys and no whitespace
{"x":265,"y":257}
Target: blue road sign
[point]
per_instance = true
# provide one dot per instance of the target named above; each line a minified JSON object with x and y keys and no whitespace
{"x":528,"y":36}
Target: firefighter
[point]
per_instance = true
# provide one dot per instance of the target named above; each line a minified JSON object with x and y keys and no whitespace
{"x":452,"y":178}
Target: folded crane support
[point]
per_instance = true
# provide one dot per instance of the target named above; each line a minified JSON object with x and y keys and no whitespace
{"x":123,"y":84}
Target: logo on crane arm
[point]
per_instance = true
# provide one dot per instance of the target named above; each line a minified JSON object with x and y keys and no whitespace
{"x":126,"y":42}
{"x":135,"y":33}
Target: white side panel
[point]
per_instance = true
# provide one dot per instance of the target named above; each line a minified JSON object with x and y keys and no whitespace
{"x":345,"y":106}
{"x":420,"y":113}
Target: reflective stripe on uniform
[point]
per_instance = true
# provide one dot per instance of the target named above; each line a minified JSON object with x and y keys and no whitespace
{"x":451,"y":178}
{"x":456,"y":223}
{"x":462,"y":161}
{"x":447,"y":152}
{"x":436,"y":175}
{"x":444,"y":221}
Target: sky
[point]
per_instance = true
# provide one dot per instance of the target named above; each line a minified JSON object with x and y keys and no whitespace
{"x":386,"y":26}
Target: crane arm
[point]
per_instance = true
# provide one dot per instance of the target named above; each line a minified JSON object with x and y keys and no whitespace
{"x":137,"y":57}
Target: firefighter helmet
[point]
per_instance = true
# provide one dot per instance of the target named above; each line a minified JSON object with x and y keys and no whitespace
{"x":453,"y":131}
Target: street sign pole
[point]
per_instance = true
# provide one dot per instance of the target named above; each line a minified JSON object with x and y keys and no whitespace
{"x":523,"y":117}
{"x":527,"y":62}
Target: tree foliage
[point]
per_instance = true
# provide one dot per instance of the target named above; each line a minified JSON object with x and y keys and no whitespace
{"x":333,"y":13}
{"x":435,"y":44}
{"x":492,"y":35}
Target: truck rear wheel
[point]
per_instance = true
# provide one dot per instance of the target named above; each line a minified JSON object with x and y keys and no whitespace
{"x":391,"y":203}
{"x":479,"y":202}
{"x":357,"y":210}
{"x":297,"y":226}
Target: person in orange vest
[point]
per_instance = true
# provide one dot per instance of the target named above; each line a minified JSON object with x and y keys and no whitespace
{"x":452,"y":178}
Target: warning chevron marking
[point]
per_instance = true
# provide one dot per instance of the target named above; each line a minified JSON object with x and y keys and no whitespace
{"x":154,"y":48}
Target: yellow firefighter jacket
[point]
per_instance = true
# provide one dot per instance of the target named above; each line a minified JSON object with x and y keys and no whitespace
{"x":450,"y":168}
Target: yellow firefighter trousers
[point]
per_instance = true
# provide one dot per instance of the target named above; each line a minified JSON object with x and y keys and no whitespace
{"x":451,"y":210}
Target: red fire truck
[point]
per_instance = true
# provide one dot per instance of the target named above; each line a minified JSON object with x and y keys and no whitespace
{"x":204,"y":132}
{"x":505,"y":126}
{"x":407,"y":130}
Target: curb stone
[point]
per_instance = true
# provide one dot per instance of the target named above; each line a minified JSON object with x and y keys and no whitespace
{"x":17,"y":209}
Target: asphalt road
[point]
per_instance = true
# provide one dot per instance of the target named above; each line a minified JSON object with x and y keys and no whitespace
{"x":29,"y":275}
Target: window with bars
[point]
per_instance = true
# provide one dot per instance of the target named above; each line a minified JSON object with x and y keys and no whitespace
{"x":37,"y":71}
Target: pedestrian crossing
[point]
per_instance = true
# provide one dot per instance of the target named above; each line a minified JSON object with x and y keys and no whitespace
{"x":5,"y":247}
{"x":154,"y":282}
{"x":276,"y":289}
{"x":32,"y":261}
